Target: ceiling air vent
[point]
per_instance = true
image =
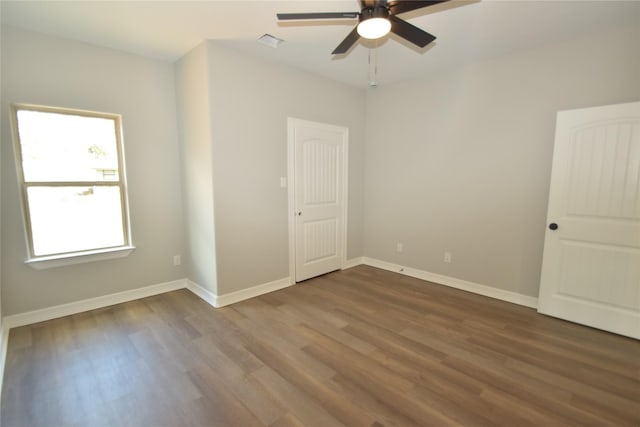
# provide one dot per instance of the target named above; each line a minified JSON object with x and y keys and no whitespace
{"x":269,"y":40}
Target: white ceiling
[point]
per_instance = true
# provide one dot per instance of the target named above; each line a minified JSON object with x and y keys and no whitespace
{"x":466,"y":30}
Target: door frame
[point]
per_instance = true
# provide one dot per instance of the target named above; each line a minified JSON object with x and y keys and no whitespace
{"x":291,"y":207}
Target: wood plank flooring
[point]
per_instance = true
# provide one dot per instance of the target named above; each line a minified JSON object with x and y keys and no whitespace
{"x":360,"y":347}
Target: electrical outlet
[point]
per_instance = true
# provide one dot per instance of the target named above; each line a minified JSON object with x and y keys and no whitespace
{"x":399,"y":247}
{"x":176,"y":260}
{"x":448,"y":257}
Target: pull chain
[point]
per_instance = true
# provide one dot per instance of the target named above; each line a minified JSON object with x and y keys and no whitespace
{"x":373,"y":66}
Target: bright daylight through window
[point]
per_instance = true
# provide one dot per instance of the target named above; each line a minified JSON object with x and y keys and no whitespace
{"x":71,"y":167}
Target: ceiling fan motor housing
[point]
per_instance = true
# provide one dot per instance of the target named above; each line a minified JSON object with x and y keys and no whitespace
{"x":374,"y":12}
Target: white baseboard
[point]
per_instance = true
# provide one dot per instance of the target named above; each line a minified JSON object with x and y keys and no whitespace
{"x":353,"y":262}
{"x":54,"y":312}
{"x":237,"y":296}
{"x":452,"y":282}
{"x":4,"y":341}
{"x":30,"y":317}
{"x":204,"y":294}
{"x":253,"y":291}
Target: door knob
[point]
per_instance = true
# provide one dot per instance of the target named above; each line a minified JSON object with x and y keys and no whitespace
{"x":299,"y":213}
{"x":553,"y":226}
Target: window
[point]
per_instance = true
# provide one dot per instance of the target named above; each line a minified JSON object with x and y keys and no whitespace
{"x":71,"y":171}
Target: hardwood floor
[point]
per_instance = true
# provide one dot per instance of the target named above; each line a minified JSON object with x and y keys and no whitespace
{"x":361,"y":347}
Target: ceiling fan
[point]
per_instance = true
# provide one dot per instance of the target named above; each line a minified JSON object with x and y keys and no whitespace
{"x":376,"y":18}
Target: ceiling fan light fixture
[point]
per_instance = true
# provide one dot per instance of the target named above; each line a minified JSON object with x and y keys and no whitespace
{"x":374,"y":28}
{"x":374,"y":23}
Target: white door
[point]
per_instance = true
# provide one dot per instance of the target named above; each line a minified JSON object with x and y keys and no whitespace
{"x":591,"y":263}
{"x":318,"y":165}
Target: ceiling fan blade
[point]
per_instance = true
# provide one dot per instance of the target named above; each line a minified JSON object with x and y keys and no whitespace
{"x":409,"y":32}
{"x":399,"y":6}
{"x":346,"y":44}
{"x":318,"y":15}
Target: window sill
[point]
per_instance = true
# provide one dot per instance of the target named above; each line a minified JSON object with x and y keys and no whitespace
{"x":42,"y":263}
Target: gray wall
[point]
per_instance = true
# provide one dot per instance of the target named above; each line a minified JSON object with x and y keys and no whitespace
{"x":51,"y":71}
{"x":250,"y":102}
{"x":459,"y":161}
{"x":194,"y":118}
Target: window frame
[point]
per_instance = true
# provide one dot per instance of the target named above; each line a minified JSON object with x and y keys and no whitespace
{"x":82,"y":256}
